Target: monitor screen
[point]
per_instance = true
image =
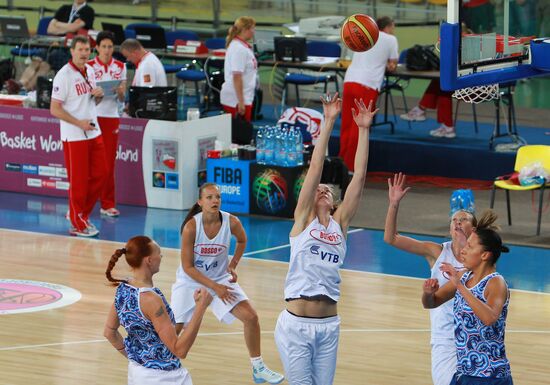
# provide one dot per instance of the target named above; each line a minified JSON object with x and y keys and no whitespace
{"x":290,"y":48}
{"x":153,"y":103}
{"x":151,"y":37}
{"x":264,"y":40}
{"x":117,"y":30}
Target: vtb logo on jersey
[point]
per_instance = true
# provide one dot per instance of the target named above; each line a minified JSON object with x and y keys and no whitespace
{"x":325,"y":255}
{"x":328,"y":238}
{"x":200,"y":264}
{"x":209,"y":249}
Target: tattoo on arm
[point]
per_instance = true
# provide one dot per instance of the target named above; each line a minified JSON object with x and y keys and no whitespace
{"x":159,"y":312}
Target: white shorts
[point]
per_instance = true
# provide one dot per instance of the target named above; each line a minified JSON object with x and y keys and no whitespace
{"x":443,"y":361}
{"x":183,"y":303}
{"x":308,"y":348}
{"x":140,"y":375}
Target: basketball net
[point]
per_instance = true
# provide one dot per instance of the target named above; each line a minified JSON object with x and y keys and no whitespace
{"x":477,"y":94}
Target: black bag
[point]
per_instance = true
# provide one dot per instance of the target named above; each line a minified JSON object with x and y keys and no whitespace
{"x":241,"y":130}
{"x":7,"y":70}
{"x":422,"y":58}
{"x":44,"y":87}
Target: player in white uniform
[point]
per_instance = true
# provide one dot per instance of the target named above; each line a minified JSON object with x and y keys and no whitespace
{"x":442,"y":321}
{"x":307,"y":331}
{"x":206,"y":236}
{"x":74,"y":98}
{"x":107,"y":68}
{"x":149,"y":69}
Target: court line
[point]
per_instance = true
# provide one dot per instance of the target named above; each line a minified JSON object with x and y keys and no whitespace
{"x":221,"y":334}
{"x":266,"y":250}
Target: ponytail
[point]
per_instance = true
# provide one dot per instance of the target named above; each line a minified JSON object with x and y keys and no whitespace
{"x":114,"y":259}
{"x":242,"y":23}
{"x":194,"y":211}
{"x":134,"y":251}
{"x":489,"y":238}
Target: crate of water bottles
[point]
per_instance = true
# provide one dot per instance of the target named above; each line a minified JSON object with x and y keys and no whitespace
{"x":279,"y":145}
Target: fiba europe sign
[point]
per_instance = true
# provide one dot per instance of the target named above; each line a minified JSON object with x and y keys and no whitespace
{"x":232,"y":178}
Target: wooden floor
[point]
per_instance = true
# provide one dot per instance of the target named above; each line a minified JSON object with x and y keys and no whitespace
{"x":384,"y":332}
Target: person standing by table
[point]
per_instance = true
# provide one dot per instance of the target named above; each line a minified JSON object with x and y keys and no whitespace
{"x":107,"y":68}
{"x":74,"y":99}
{"x":363,"y":80}
{"x":240,"y":69}
{"x":149,"y":69}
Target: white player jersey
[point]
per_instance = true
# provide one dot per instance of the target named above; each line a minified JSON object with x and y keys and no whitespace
{"x":149,"y":72}
{"x":368,"y":68}
{"x":73,"y":88}
{"x":210,"y":256}
{"x":442,"y":318}
{"x":114,"y":70}
{"x":239,"y":58}
{"x":316,"y":255}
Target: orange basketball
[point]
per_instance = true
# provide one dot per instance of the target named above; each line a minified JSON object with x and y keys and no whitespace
{"x":359,"y":32}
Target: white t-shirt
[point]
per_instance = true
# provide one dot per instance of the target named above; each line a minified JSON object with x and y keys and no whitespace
{"x":72,"y":88}
{"x":115,"y":70}
{"x":316,"y":255}
{"x":149,"y":72}
{"x":442,"y":317}
{"x":368,"y":68}
{"x":239,"y":58}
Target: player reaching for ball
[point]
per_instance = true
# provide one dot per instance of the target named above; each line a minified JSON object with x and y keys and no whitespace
{"x":308,"y":329}
{"x":363,"y":80}
{"x":206,"y":235}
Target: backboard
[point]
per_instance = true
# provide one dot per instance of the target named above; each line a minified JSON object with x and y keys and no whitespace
{"x":487,"y":41}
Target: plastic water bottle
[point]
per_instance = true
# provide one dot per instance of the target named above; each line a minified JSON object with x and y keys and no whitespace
{"x":290,"y":148}
{"x":280,"y":146}
{"x":269,"y":146}
{"x":181,"y":102}
{"x":298,"y":146}
{"x":260,"y":145}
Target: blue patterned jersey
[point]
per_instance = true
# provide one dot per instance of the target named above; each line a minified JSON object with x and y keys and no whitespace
{"x":480,"y":349}
{"x":143,"y":344}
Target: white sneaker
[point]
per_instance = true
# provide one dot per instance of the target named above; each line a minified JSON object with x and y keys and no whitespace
{"x":112,"y":212}
{"x":417,"y":114}
{"x":88,"y":232}
{"x":444,"y":132}
{"x":264,"y":374}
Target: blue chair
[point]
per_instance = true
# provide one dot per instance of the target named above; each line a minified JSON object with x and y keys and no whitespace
{"x":130,"y":30}
{"x":314,"y":48}
{"x":193,"y":72}
{"x":215,"y":43}
{"x":43,"y":23}
{"x":181,"y":34}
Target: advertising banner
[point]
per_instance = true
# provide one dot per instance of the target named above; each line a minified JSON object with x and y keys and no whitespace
{"x":31,"y":155}
{"x":232,"y":176}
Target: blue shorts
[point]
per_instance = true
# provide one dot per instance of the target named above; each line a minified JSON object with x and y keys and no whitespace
{"x":470,"y":380}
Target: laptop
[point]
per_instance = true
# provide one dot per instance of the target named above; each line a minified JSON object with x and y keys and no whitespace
{"x":151,"y":37}
{"x":264,"y":41}
{"x":117,"y":30}
{"x":14,"y":28}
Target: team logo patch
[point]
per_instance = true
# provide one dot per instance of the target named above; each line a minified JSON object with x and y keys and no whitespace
{"x":328,"y":238}
{"x":22,"y":296}
{"x":147,"y":78}
{"x":209,"y":249}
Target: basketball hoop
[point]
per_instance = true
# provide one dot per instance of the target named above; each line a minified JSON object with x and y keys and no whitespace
{"x":477,"y":94}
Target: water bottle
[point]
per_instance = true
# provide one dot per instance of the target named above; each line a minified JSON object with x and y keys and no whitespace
{"x":181,"y":101}
{"x":260,"y":145}
{"x":269,"y":146}
{"x":299,"y":146}
{"x":290,"y":148}
{"x":280,"y":156}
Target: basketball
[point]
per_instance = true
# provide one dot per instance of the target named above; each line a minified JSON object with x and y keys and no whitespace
{"x":359,"y":32}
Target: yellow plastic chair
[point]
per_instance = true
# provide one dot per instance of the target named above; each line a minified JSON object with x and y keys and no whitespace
{"x":526,"y":155}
